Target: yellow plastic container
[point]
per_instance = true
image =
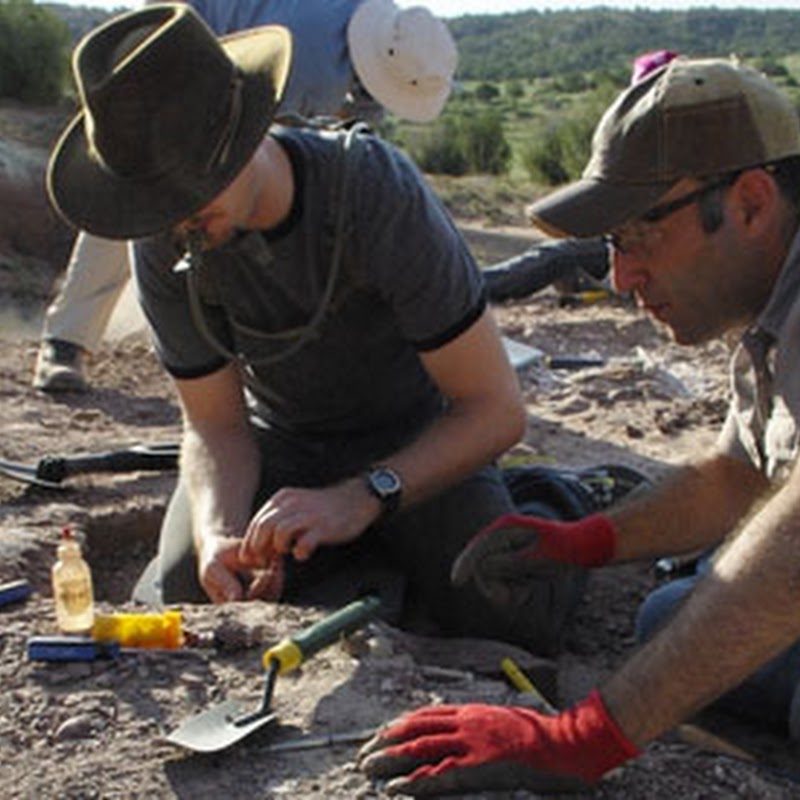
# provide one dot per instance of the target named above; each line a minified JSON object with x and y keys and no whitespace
{"x":164,"y":631}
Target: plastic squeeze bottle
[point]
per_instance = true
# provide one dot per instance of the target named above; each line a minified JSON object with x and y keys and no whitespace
{"x":140,"y":630}
{"x":72,"y":587}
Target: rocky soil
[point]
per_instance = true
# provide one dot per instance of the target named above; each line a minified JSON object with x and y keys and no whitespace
{"x":97,"y":730}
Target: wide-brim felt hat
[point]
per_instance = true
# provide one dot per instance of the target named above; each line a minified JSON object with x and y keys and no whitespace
{"x":170,"y":116}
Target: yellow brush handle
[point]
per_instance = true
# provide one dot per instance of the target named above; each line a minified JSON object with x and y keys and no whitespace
{"x":521,"y":682}
{"x":593,"y":295}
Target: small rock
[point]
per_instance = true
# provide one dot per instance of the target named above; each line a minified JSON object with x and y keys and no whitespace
{"x":628,"y":394}
{"x":380,"y":647}
{"x":190,"y":679}
{"x":232,"y":636}
{"x":576,"y":405}
{"x":79,"y":727}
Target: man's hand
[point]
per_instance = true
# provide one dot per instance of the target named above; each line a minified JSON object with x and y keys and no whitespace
{"x":218,"y":568}
{"x":225,"y":578}
{"x":298,"y":521}
{"x":473,"y":748}
{"x":515,"y":549}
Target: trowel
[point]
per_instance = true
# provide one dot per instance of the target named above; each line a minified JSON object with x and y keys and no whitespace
{"x":225,"y":724}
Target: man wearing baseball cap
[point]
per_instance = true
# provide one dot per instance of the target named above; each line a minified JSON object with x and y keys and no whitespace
{"x":694,"y":178}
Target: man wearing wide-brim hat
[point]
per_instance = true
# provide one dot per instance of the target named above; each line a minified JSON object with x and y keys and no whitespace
{"x":342,"y":384}
{"x":405,"y":56}
{"x":694,"y":179}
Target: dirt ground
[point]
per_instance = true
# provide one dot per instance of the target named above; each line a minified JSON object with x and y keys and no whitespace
{"x":96,"y":730}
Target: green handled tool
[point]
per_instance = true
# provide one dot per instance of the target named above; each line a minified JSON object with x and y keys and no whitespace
{"x":227,"y":723}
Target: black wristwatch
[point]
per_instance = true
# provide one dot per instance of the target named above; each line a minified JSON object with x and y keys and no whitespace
{"x":386,"y":485}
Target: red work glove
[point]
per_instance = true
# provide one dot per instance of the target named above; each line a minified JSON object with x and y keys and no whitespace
{"x":474,"y":748}
{"x":516,"y":549}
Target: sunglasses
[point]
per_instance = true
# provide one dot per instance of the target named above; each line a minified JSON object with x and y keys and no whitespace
{"x":639,"y":234}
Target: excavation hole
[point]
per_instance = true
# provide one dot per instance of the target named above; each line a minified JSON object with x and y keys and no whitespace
{"x":118,"y":548}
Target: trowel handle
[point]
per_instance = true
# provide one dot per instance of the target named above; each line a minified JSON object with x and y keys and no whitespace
{"x":138,"y":457}
{"x":291,"y":652}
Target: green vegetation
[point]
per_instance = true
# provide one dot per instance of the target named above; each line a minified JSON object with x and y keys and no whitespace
{"x":547,"y":76}
{"x":534,"y":44}
{"x":461,"y":143}
{"x":531,"y":85}
{"x":559,"y":151}
{"x":34,"y":48}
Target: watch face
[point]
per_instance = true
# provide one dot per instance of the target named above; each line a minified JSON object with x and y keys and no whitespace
{"x":385,"y":484}
{"x":385,"y":481}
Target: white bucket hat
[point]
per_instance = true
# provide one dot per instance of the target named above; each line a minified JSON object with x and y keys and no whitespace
{"x":405,"y":58}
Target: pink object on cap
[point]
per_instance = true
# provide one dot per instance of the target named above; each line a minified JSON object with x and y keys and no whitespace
{"x":644,"y":64}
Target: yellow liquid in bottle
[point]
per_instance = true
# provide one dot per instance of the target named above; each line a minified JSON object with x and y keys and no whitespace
{"x":72,"y":589}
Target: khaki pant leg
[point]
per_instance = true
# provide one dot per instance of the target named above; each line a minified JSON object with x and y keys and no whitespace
{"x":97,"y":273}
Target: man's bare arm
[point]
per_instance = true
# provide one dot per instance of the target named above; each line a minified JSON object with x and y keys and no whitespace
{"x":486,"y":415}
{"x":221,"y":464}
{"x":484,"y":418}
{"x":694,"y":509}
{"x":737,"y":618}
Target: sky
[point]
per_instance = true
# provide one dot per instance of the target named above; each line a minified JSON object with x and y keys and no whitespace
{"x":452,"y":8}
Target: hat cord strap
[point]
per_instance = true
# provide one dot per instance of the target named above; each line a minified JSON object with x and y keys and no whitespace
{"x":222,"y":149}
{"x":307,"y":332}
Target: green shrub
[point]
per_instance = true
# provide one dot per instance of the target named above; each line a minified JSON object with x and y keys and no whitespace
{"x":484,"y":143}
{"x":438,"y":149}
{"x":486,"y":92}
{"x":560,"y":152}
{"x":770,"y":66}
{"x":515,"y":90}
{"x":34,"y":44}
{"x":543,"y":159}
{"x":572,"y":83}
{"x":456,"y":145}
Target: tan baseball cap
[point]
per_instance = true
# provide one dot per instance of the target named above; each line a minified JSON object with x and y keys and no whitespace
{"x":691,"y":118}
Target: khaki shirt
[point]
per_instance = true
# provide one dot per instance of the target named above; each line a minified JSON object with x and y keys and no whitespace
{"x":762,"y":422}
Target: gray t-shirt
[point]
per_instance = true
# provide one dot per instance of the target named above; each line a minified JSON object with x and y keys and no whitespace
{"x":763,"y":423}
{"x":407,"y":284}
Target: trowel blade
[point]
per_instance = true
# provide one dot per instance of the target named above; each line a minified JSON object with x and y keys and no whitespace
{"x":218,"y":727}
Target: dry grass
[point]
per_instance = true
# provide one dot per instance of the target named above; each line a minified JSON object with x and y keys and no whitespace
{"x":485,"y":198}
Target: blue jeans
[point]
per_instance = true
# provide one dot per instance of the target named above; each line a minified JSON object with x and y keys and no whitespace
{"x":768,"y":695}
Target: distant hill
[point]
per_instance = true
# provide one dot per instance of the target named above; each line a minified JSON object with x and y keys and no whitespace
{"x":533,"y":44}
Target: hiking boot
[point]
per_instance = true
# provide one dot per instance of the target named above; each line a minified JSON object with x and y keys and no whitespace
{"x":59,"y":367}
